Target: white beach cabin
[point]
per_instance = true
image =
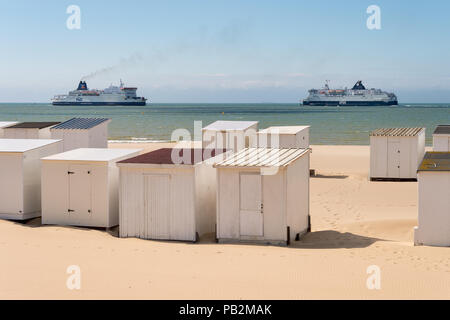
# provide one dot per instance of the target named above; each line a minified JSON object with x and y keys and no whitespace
{"x":441,"y":138}
{"x":168,"y":194}
{"x":395,"y":153}
{"x":434,"y":200}
{"x":284,"y":137}
{"x":5,"y":124}
{"x":20,"y":172}
{"x":82,"y":133}
{"x":263,"y":196}
{"x":230,"y":135}
{"x":29,"y":130}
{"x":80,"y":187}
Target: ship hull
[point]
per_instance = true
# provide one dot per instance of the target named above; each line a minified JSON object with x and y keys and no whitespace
{"x":350,"y":103}
{"x":97,"y":103}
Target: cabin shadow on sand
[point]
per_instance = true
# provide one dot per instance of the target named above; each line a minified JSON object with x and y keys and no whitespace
{"x":330,"y":239}
{"x":326,"y":239}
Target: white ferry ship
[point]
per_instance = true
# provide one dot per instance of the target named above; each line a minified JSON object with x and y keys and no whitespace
{"x":356,"y":96}
{"x":111,"y":96}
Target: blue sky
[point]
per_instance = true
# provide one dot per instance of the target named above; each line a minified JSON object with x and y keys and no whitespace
{"x":225,"y":51}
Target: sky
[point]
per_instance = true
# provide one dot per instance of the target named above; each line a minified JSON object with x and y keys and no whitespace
{"x":224,"y":51}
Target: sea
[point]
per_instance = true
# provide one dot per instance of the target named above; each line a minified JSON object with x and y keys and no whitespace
{"x":345,"y":125}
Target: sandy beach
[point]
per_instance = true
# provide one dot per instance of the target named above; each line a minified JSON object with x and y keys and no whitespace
{"x":355,"y":224}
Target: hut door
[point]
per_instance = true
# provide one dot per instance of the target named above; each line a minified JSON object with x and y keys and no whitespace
{"x":157,"y":206}
{"x":393,"y":159}
{"x":251,"y":215}
{"x":80,"y":192}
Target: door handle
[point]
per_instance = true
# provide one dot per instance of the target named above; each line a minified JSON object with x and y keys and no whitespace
{"x":68,"y":210}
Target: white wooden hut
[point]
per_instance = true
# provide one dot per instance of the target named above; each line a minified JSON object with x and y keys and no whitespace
{"x":395,"y":153}
{"x":29,"y":130}
{"x":230,"y":135}
{"x":168,"y":194}
{"x":20,"y":172}
{"x":284,"y":137}
{"x":441,"y":138}
{"x":5,"y":124}
{"x":263,"y":196}
{"x":434,"y":200}
{"x":82,"y":133}
{"x":80,"y":187}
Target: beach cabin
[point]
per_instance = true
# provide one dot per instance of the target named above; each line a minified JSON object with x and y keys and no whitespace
{"x":441,"y":138}
{"x":29,"y":130}
{"x":82,"y":133}
{"x":230,"y":135}
{"x":20,"y":172}
{"x":263,"y":196}
{"x":5,"y":124}
{"x":168,"y":194}
{"x":395,"y":153}
{"x":434,"y":200}
{"x":284,"y":137}
{"x":80,"y":187}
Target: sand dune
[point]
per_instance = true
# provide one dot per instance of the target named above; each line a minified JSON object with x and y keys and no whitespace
{"x":356,"y":223}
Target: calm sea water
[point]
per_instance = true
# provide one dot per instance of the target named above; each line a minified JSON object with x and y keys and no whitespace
{"x":329,"y":125}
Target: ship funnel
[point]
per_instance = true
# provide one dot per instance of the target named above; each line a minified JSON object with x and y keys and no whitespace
{"x":82,"y":85}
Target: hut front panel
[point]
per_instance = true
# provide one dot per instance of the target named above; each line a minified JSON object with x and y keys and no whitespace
{"x":21,"y":133}
{"x":298,"y":196}
{"x":75,"y":194}
{"x":157,"y":206}
{"x":11,"y":184}
{"x":250,"y":205}
{"x":228,"y":204}
{"x":55,"y":193}
{"x":378,"y":157}
{"x":441,"y":143}
{"x":205,"y":202}
{"x":157,"y":203}
{"x":72,"y":139}
{"x":434,"y":209}
{"x":274,"y":206}
{"x":283,"y":140}
{"x":98,"y":136}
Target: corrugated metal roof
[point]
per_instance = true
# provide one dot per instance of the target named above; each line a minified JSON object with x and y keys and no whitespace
{"x":81,"y":123}
{"x":230,"y":125}
{"x":164,"y":156}
{"x":32,"y":125}
{"x":442,"y":129}
{"x":396,"y":132}
{"x":435,"y":161}
{"x":284,"y":129}
{"x":262,"y":157}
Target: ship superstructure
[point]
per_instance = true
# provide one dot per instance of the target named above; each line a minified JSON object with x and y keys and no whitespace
{"x":356,"y":96}
{"x":111,"y":96}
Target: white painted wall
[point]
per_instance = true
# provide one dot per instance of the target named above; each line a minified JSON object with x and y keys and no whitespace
{"x":441,"y":142}
{"x":232,"y":139}
{"x":189,"y":202}
{"x":383,"y":149}
{"x":20,"y":183}
{"x":96,"y":137}
{"x":285,"y":198}
{"x":27,"y":133}
{"x":434,"y":209}
{"x":284,"y":140}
